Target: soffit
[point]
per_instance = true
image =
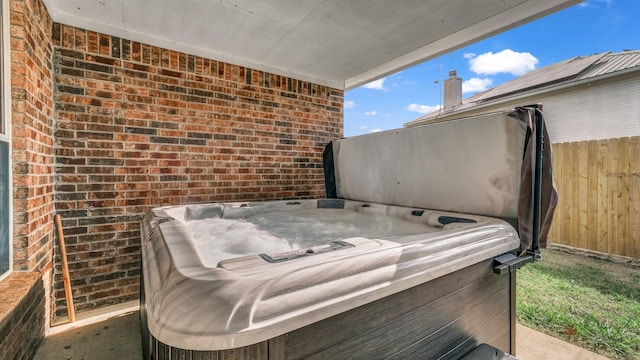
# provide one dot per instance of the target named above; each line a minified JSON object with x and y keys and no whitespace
{"x":339,"y":43}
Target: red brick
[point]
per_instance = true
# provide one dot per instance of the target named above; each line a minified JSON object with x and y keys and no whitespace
{"x":138,"y":126}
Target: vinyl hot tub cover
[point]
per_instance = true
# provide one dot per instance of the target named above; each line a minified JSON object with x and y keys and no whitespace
{"x":226,"y":275}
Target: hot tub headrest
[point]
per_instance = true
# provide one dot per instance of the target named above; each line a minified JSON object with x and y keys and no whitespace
{"x":200,"y":212}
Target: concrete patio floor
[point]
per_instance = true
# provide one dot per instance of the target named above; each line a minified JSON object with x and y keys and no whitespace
{"x":116,"y":335}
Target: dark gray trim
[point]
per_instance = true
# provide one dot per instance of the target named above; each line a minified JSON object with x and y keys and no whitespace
{"x":329,"y":172}
{"x":5,"y":196}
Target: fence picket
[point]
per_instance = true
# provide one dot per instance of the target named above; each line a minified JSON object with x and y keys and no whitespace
{"x":592,"y":196}
{"x":622,"y":240}
{"x":603,"y":149}
{"x":634,"y":197}
{"x":583,"y":194}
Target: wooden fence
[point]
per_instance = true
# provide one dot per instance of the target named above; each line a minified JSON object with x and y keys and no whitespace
{"x":598,"y":185}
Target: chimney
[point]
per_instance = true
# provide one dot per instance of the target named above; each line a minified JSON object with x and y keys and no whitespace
{"x":452,"y":91}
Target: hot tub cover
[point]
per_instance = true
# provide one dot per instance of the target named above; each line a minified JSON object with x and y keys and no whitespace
{"x":478,"y":165}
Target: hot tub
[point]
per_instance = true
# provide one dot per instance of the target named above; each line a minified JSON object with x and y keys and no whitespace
{"x":346,"y":277}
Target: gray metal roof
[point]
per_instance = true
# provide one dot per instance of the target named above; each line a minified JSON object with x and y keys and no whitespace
{"x":611,"y":63}
{"x":549,"y":77}
{"x":557,"y":72}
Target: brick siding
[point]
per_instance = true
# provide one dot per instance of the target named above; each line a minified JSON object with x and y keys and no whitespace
{"x":138,"y":126}
{"x":24,"y":294}
{"x":32,"y":135}
{"x":22,"y":315}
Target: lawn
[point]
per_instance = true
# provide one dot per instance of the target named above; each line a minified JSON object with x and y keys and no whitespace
{"x":590,"y":302}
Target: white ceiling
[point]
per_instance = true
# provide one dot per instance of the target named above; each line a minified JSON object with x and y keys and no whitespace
{"x":339,"y":43}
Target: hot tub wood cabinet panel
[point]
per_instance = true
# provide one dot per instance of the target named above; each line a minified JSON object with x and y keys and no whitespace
{"x":260,"y":351}
{"x":442,"y":319}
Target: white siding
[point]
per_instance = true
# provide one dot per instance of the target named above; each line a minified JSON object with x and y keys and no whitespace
{"x":600,"y":111}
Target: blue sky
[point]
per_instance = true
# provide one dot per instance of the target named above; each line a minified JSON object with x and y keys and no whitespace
{"x":591,"y":27}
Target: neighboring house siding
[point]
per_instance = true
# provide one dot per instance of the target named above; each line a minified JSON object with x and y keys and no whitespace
{"x":596,"y":110}
{"x":600,"y":110}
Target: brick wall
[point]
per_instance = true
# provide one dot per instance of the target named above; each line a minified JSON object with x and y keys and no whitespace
{"x":24,"y":294}
{"x":137,"y":126}
{"x":22,"y":315}
{"x":32,"y":135}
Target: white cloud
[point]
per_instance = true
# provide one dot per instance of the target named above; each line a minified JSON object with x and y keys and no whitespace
{"x":475,"y":85}
{"x":375,"y":130}
{"x":422,"y":109}
{"x":505,"y":61}
{"x":469,"y":55}
{"x":363,"y":127}
{"x":371,"y":113}
{"x":594,"y":3}
{"x":376,"y":85}
{"x":349,"y":104}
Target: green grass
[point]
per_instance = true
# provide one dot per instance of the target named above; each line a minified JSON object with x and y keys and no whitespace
{"x":592,"y":303}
